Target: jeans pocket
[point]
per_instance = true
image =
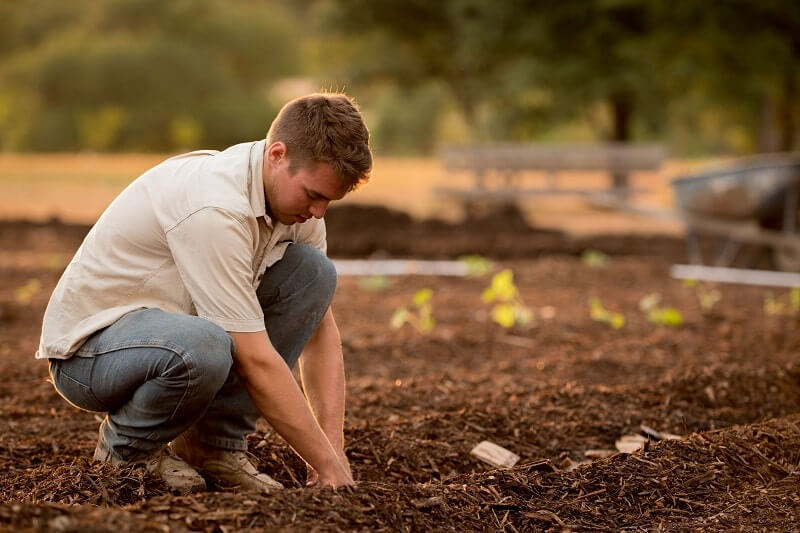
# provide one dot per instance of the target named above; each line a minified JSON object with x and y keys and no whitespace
{"x":75,"y":392}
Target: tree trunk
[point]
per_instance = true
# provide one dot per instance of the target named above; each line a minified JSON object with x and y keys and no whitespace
{"x":622,"y":104}
{"x":622,"y":113}
{"x":786,"y":111}
{"x":466,"y":101}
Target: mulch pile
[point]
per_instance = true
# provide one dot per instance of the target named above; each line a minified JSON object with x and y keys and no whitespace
{"x":559,"y":393}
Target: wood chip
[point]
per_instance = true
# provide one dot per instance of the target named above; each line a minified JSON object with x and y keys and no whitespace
{"x":599,"y":454}
{"x":658,"y":435}
{"x":495,"y":455}
{"x":630,"y":443}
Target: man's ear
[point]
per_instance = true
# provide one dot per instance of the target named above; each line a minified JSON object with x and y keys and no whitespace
{"x":276,"y":151}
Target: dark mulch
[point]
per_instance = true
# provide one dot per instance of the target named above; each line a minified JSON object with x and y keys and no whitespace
{"x":727,"y":382}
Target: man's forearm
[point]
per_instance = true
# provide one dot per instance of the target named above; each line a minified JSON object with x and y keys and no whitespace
{"x":322,"y":372}
{"x":278,"y":397}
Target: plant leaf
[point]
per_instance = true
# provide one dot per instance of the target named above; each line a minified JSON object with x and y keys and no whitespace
{"x":649,"y":302}
{"x":422,"y":296}
{"x":595,"y":259}
{"x":503,"y":285}
{"x":477,"y":265}
{"x":504,"y":315}
{"x":666,"y":316}
{"x":399,"y":317}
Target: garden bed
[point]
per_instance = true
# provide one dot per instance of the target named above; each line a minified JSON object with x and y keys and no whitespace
{"x":727,"y":381}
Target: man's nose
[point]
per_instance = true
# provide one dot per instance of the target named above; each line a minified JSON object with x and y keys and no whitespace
{"x":318,"y":208}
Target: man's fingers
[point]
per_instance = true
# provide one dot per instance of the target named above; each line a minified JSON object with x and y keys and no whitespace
{"x":312,"y":478}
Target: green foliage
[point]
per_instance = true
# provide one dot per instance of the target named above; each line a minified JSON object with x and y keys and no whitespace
{"x":155,"y":75}
{"x":405,"y":120}
{"x":140,"y":74}
{"x":502,"y":288}
{"x":420,"y":316}
{"x":615,"y":70}
{"x":787,"y":304}
{"x":664,"y":316}
{"x":509,"y":309}
{"x":706,"y":297}
{"x":100,"y":129}
{"x":25,"y":293}
{"x":476,"y":265}
{"x":374,"y":283}
{"x":599,"y":313}
{"x":595,"y":259}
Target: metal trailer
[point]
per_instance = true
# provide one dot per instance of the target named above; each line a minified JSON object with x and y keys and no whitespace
{"x":748,"y":207}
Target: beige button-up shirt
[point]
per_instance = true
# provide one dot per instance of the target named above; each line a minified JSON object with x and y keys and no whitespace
{"x":189,"y":236}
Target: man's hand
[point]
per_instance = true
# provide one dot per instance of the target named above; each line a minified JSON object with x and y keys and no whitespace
{"x":275,"y":392}
{"x":322,"y":372}
{"x":312,"y":477}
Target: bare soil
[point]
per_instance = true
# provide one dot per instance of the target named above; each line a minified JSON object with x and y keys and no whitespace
{"x":727,"y":382}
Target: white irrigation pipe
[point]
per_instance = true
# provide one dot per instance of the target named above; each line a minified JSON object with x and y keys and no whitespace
{"x":399,"y":267}
{"x":743,"y":276}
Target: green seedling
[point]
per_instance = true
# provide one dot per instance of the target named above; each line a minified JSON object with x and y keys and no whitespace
{"x":787,"y":304}
{"x":420,"y":316}
{"x":476,"y":265}
{"x":664,"y":316}
{"x":706,"y":297}
{"x":601,"y":314}
{"x":595,"y":259}
{"x":374,"y":283}
{"x":509,"y":309}
{"x":25,"y":293}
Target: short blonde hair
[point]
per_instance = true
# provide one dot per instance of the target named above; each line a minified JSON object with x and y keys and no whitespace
{"x":325,"y":127}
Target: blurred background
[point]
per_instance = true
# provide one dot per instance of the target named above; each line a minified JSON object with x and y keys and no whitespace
{"x":93,"y":92}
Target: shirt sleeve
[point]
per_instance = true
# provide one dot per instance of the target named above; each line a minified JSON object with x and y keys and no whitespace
{"x":212,"y":250}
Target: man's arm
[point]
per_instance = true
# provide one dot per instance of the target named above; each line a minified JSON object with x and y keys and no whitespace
{"x":322,"y":372}
{"x":275,"y":392}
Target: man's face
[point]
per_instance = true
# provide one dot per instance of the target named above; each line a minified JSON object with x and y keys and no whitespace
{"x":293,"y":198}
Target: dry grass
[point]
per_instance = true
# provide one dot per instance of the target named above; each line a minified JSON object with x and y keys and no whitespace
{"x":77,"y":187}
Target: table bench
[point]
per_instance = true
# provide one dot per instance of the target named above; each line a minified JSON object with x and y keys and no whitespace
{"x":498,"y":169}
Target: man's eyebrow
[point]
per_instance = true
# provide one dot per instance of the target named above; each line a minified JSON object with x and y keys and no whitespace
{"x":312,"y":192}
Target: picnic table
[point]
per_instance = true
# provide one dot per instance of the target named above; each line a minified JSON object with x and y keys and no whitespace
{"x":500,"y":171}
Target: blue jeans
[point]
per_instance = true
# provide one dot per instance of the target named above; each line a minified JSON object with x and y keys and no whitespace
{"x":159,"y":374}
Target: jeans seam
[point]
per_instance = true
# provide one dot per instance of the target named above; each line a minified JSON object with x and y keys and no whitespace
{"x":87,"y":389}
{"x":185,"y":358}
{"x":167,"y":345}
{"x":191,"y":371}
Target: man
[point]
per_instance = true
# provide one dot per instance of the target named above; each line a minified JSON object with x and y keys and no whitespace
{"x":194,"y":294}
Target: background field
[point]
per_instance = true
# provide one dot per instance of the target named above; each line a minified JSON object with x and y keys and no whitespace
{"x":77,"y":187}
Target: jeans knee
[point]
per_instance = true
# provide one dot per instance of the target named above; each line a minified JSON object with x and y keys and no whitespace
{"x":210,"y":351}
{"x":320,"y":270}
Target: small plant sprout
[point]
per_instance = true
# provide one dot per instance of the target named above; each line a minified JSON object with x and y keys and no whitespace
{"x":509,"y":309}
{"x":25,"y":293}
{"x":595,"y":259}
{"x":374,"y":283}
{"x":787,"y":304}
{"x":420,"y":316}
{"x":476,"y":265}
{"x":601,"y":314}
{"x":706,"y":297}
{"x":665,"y":316}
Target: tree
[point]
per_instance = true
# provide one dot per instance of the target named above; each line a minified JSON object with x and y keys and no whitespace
{"x":464,"y":44}
{"x":139,"y":74}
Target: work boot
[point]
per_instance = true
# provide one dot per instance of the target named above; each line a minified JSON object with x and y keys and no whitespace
{"x":176,"y":473}
{"x":228,"y":468}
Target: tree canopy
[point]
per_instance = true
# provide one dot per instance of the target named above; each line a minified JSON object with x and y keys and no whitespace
{"x":150,"y":75}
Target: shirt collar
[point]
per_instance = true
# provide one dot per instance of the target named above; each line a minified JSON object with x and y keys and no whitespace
{"x":255,"y":180}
